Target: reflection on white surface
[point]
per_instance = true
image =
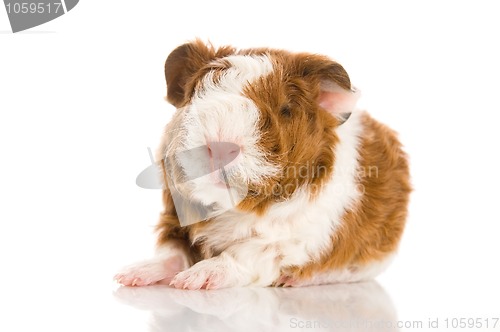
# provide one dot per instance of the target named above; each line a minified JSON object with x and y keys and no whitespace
{"x":343,"y":307}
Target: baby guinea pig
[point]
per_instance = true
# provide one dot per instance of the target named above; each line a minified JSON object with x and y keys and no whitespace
{"x":271,"y":176}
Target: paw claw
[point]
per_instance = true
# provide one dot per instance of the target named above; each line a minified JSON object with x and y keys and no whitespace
{"x":285,"y":281}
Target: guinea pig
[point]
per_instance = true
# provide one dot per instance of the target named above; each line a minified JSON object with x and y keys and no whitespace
{"x":271,"y":175}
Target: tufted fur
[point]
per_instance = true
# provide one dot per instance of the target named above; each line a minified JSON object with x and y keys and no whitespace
{"x":328,"y":186}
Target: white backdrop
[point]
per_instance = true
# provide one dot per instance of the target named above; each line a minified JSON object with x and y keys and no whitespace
{"x":81,"y":99}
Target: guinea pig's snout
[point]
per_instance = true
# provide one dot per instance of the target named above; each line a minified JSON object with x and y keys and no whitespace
{"x":222,"y":153}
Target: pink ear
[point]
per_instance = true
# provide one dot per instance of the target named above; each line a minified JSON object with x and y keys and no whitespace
{"x":336,"y":100}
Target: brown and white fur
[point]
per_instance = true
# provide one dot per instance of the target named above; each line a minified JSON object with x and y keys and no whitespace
{"x":341,"y":222}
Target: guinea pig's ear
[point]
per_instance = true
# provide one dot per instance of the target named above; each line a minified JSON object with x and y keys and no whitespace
{"x":182,"y":65}
{"x":338,"y":101}
{"x":336,"y":95}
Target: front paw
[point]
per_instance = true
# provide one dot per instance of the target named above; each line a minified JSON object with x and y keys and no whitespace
{"x":154,"y":271}
{"x":212,"y":273}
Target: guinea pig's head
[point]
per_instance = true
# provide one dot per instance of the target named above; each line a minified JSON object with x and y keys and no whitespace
{"x":253,"y":125}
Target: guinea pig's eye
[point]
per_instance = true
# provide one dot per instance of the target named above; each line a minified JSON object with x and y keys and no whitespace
{"x":286,"y":111}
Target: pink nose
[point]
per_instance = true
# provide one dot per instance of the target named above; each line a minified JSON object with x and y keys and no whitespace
{"x":222,"y":153}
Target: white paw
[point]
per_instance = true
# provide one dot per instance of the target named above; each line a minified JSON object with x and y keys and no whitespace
{"x":157,"y":270}
{"x":212,"y":273}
